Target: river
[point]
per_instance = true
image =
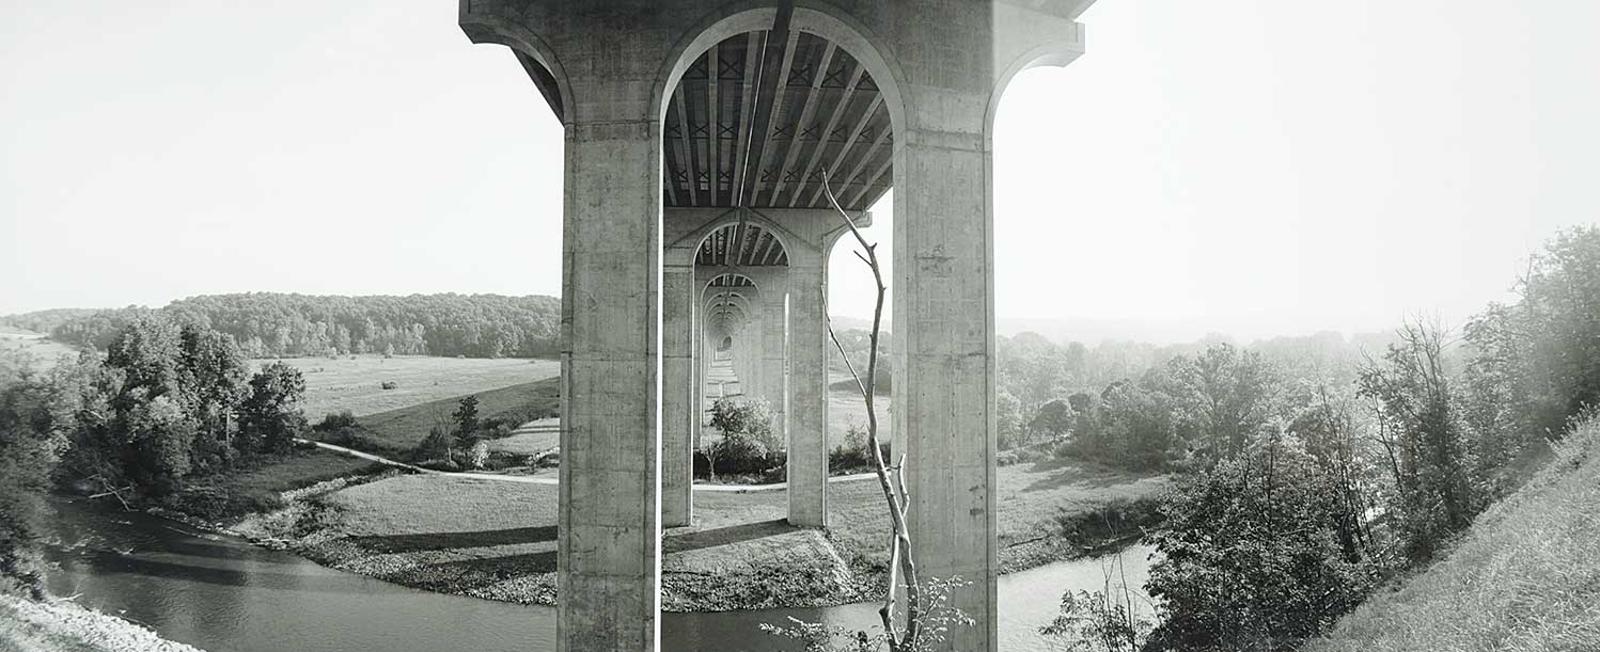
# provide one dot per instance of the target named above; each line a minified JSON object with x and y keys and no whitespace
{"x":223,"y":594}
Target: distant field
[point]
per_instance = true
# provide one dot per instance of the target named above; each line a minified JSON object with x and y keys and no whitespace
{"x":845,"y":409}
{"x":45,"y":352}
{"x":357,"y":384}
{"x":398,"y":431}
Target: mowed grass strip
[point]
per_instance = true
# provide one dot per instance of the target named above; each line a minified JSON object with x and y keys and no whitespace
{"x":356,"y":383}
{"x":1525,"y":577}
{"x":397,"y":432}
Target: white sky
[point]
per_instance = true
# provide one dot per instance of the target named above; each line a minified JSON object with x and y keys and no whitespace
{"x":1254,"y":167}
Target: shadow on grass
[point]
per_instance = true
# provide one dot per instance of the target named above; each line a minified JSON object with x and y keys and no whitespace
{"x":489,"y":570}
{"x":1078,"y":473}
{"x":725,"y":535}
{"x":394,"y":543}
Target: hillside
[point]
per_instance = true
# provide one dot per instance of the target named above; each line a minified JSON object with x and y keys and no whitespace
{"x":1525,"y":577}
{"x":272,"y":324}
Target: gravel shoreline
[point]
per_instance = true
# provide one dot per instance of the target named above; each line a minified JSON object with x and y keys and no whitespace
{"x":69,"y":627}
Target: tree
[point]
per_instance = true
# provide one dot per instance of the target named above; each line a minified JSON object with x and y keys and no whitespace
{"x":270,"y":417}
{"x":30,"y":445}
{"x":149,"y":430}
{"x":1223,"y":398}
{"x":465,"y":422}
{"x":212,"y":380}
{"x":1008,"y":420}
{"x":1054,"y":419}
{"x":1250,"y":558}
{"x":1421,"y":430}
{"x":746,"y":435}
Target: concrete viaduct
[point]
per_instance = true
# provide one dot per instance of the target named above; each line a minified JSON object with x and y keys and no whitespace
{"x":696,"y":135}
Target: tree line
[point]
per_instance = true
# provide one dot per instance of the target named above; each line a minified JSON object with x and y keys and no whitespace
{"x":279,"y":325}
{"x":167,"y":406}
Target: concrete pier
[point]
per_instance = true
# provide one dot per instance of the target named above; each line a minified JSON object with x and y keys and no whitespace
{"x":723,"y":110}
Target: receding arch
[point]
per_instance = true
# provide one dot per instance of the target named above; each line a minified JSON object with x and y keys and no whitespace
{"x":751,"y":16}
{"x":742,"y":153}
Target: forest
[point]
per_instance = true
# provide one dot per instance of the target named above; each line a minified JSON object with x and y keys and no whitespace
{"x":288,"y":325}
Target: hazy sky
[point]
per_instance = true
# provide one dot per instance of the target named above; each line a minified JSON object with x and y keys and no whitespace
{"x":1254,"y":167}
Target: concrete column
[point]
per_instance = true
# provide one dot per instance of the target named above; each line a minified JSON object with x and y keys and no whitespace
{"x":678,"y":403}
{"x":774,"y":374}
{"x":808,"y":397}
{"x":608,"y":574}
{"x":944,"y":382}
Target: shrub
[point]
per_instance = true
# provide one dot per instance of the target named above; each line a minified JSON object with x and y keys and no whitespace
{"x":747,"y":443}
{"x":476,"y":456}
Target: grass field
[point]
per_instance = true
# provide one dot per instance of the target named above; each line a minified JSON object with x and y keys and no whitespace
{"x":845,"y":409}
{"x":45,"y":352}
{"x":497,"y":540}
{"x":357,"y":384}
{"x":532,"y":442}
{"x":398,"y":431}
{"x":225,"y":497}
{"x":1525,"y":577}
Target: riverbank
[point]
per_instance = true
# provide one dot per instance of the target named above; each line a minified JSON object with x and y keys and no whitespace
{"x":67,"y":627}
{"x":496,"y":540}
{"x":1526,"y":576}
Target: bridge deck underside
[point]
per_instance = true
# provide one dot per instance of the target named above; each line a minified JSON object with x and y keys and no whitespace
{"x":759,"y":117}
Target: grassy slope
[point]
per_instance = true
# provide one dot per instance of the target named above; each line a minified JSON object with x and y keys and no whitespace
{"x":356,"y":384}
{"x":46,"y":352}
{"x":257,"y":488}
{"x":1525,"y":577}
{"x":398,"y":431}
{"x":497,"y":540}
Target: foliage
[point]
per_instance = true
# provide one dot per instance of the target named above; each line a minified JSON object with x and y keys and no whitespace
{"x":747,"y":443}
{"x":1107,"y":620}
{"x":1053,"y":419}
{"x":30,"y":444}
{"x":1250,"y":556}
{"x":465,"y":422}
{"x":1421,"y":429}
{"x":1223,"y":399}
{"x":167,"y":402}
{"x":271,"y":325}
{"x":851,"y":455}
{"x":270,"y":417}
{"x":344,"y":429}
{"x":1008,"y":420}
{"x":1525,"y":575}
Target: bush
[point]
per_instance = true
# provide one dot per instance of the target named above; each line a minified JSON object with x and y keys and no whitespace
{"x":342,"y":429}
{"x":475,"y":456}
{"x":747,"y":443}
{"x":217,"y":502}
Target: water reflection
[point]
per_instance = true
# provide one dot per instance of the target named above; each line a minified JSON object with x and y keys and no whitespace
{"x":225,"y":595}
